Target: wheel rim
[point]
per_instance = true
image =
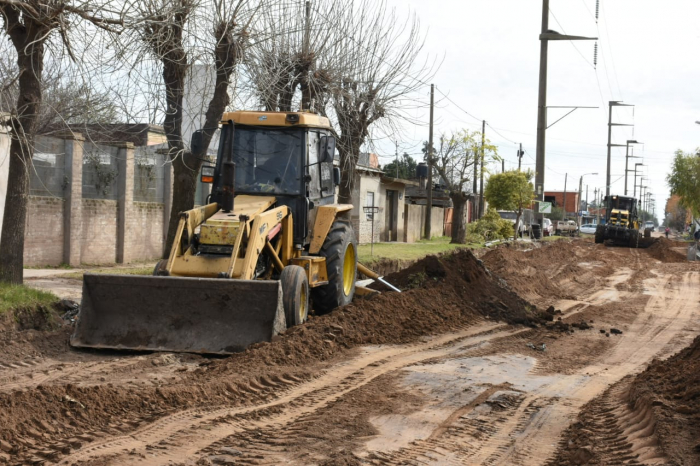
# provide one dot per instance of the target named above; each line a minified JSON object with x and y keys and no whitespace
{"x":349,"y":269}
{"x":302,"y":304}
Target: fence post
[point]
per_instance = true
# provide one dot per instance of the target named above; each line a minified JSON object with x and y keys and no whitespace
{"x":125,"y":205}
{"x":72,"y":197}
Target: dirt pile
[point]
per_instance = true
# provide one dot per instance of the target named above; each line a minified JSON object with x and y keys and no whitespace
{"x":667,"y":251}
{"x":671,"y":389}
{"x":32,"y":332}
{"x":553,"y":271}
{"x":463,"y":278}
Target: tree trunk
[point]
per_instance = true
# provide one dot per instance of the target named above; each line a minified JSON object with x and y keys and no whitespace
{"x":459,"y":222}
{"x":349,"y":150}
{"x":30,"y":61}
{"x":186,"y":165}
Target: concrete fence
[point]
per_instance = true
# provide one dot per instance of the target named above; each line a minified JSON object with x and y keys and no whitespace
{"x":414,"y":222}
{"x":93,"y":203}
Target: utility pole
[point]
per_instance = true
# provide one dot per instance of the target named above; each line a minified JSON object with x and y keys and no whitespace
{"x":634,"y":191}
{"x":429,"y":205}
{"x":579,"y":214}
{"x":520,"y":155}
{"x":627,"y":157}
{"x":566,"y":175}
{"x":611,"y":104}
{"x":586,"y":197}
{"x":481,"y":184}
{"x":503,"y":165}
{"x":545,"y":36}
{"x":397,"y":158}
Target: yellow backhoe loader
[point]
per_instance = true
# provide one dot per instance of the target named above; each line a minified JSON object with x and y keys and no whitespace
{"x":270,"y":244}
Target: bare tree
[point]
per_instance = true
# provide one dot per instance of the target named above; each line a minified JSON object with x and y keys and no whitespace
{"x":290,"y":64}
{"x":380,"y":71}
{"x":179,"y":34}
{"x":453,"y":160}
{"x":31,"y":26}
{"x":69,"y":96}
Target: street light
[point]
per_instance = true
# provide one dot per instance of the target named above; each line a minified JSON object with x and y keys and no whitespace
{"x":580,"y":187}
{"x":627,"y":156}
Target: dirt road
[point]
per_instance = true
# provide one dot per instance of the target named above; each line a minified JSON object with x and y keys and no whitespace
{"x":442,"y":374}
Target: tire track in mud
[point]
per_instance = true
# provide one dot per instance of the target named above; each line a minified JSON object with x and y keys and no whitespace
{"x":185,"y":433}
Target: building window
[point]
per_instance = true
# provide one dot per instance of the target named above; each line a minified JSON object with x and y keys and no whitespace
{"x":369,"y":202}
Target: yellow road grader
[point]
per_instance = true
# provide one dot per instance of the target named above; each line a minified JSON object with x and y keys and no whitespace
{"x":621,"y":225}
{"x":270,"y":244}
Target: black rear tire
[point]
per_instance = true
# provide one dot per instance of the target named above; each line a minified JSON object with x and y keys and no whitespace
{"x":159,"y":269}
{"x":340,"y":244}
{"x":599,"y":234}
{"x":295,"y":295}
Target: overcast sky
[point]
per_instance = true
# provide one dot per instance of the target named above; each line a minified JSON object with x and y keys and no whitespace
{"x":647,"y":56}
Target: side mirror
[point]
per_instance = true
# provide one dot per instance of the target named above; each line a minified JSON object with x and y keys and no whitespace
{"x":196,"y":142}
{"x":336,"y":176}
{"x":327,"y":148}
{"x":207,"y":175}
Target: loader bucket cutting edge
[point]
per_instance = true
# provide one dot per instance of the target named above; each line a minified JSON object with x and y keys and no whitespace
{"x":194,"y":315}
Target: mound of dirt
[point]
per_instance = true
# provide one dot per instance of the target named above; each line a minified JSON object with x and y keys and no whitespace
{"x":663,"y":250}
{"x":32,"y":332}
{"x":461,"y":277}
{"x":672,"y":389}
{"x":534,"y":276}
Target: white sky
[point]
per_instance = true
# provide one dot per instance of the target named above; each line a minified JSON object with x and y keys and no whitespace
{"x":647,"y":56}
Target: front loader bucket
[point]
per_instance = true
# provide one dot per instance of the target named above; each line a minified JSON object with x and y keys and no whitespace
{"x":194,"y":315}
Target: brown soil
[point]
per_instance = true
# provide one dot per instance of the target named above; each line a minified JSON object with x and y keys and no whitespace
{"x":449,"y":382}
{"x":453,"y":292}
{"x":672,"y":389}
{"x":26,"y":334}
{"x":662,"y":251}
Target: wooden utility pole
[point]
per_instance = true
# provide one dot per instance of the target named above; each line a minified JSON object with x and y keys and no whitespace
{"x":429,"y":203}
{"x":520,"y":155}
{"x":481,"y":183}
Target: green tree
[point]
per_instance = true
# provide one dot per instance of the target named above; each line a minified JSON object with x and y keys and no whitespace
{"x":511,"y":190}
{"x":491,"y":227}
{"x":407,"y":168}
{"x":684,"y":180}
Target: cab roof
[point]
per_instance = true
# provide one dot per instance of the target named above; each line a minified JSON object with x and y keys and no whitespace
{"x":290,"y":119}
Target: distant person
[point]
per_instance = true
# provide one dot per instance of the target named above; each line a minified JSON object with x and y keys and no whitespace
{"x":667,"y":231}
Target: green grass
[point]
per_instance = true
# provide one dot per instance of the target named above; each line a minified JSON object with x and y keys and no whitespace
{"x":409,"y":251}
{"x":21,"y":296}
{"x":112,"y":270}
{"x":554,"y":238}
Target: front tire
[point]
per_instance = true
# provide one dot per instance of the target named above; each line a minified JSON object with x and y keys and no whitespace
{"x":295,"y":295}
{"x":340,"y":251}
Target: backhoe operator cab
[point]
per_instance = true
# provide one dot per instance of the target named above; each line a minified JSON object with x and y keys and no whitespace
{"x":286,"y":155}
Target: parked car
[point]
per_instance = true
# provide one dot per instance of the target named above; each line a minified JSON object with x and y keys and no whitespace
{"x":547,"y":227}
{"x":565,"y":227}
{"x":588,"y":228}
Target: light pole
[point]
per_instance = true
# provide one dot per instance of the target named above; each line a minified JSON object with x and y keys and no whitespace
{"x":578,"y":209}
{"x":545,"y":36}
{"x":627,"y":157}
{"x":634,"y":191}
{"x":641,"y":189}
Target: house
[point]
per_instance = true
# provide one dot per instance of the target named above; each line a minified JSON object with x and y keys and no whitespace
{"x":378,"y":202}
{"x":557,"y":199}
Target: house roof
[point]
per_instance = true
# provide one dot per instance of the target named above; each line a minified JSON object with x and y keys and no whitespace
{"x":389,"y":179}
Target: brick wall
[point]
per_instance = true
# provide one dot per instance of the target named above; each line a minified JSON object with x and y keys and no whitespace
{"x":98,"y":243}
{"x":146,"y":231}
{"x":43,"y":239}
